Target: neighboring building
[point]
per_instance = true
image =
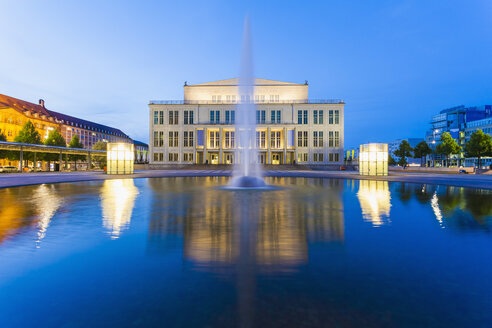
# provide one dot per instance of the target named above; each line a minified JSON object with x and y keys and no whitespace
{"x":14,"y":113}
{"x":141,"y":152}
{"x":290,"y":128}
{"x":455,"y":121}
{"x":395,"y":144}
{"x":486,"y":126}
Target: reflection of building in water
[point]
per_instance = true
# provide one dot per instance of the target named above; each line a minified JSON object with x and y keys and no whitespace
{"x":375,"y":201}
{"x":117,"y":201}
{"x":209,"y":232}
{"x":272,"y":228}
{"x":280,"y":236}
{"x":14,"y":214}
{"x":46,"y":202}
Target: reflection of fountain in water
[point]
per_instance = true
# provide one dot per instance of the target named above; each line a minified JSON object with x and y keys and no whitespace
{"x":46,"y":203}
{"x":247,"y":173}
{"x":117,"y":201}
{"x":375,"y":201}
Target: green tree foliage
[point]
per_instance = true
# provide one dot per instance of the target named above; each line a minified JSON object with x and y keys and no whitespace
{"x":3,"y":153}
{"x":403,"y":151}
{"x":479,"y":145}
{"x":391,"y":160}
{"x":29,"y":135}
{"x":421,"y":150}
{"x":55,"y":138}
{"x":75,"y":143}
{"x":448,"y":146}
{"x":100,"y":160}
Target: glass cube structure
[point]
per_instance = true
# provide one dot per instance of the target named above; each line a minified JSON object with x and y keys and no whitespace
{"x":373,"y":159}
{"x":120,"y":158}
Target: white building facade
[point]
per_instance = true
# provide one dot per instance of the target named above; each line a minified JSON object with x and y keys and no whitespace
{"x":290,"y":128}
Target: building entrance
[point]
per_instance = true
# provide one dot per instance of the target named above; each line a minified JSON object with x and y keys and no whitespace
{"x":229,"y":158}
{"x":276,"y":158}
{"x":214,"y":158}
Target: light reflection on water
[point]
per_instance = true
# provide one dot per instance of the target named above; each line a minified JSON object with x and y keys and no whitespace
{"x":172,"y":251}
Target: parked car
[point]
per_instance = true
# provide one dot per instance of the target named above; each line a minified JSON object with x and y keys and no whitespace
{"x":6,"y":169}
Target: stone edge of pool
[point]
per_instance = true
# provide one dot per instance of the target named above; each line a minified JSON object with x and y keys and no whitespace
{"x":26,"y":179}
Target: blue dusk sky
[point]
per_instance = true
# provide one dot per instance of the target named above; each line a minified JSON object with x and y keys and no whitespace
{"x":395,"y":63}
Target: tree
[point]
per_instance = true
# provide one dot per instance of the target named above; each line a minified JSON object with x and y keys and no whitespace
{"x":403,"y":151}
{"x":55,"y":138}
{"x":3,"y":153}
{"x":391,"y":160}
{"x":448,"y":146}
{"x":75,"y":143}
{"x":421,"y":150}
{"x":479,"y":145}
{"x":101,"y":160}
{"x":29,"y":135}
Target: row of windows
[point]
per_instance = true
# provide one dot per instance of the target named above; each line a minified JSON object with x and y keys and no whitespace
{"x":261,"y":139}
{"x":173,"y":117}
{"x":173,"y":157}
{"x":318,"y":117}
{"x":318,"y":157}
{"x":230,"y":116}
{"x":245,"y":98}
{"x":261,"y":117}
{"x":318,"y":140}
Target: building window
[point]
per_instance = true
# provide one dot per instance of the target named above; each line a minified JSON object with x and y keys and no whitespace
{"x":337,"y":117}
{"x":214,"y":139}
{"x":229,"y":139}
{"x":336,"y":157}
{"x":317,"y":138}
{"x":214,"y":116}
{"x":275,"y":140}
{"x":302,"y":157}
{"x":199,"y":138}
{"x":305,"y":117}
{"x":173,"y":157}
{"x":302,"y":138}
{"x":299,"y":117}
{"x":161,"y":117}
{"x":337,"y":139}
{"x":173,"y":138}
{"x":156,"y":117}
{"x":320,"y":117}
{"x":173,"y":117}
{"x":230,"y":116}
{"x":275,"y":116}
{"x":161,"y":138}
{"x":330,"y":117}
{"x":188,"y":117}
{"x":330,"y":139}
{"x":188,"y":157}
{"x":188,"y":139}
{"x":156,"y":139}
{"x":315,"y":117}
{"x":261,"y":139}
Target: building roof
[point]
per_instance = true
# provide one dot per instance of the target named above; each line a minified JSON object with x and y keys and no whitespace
{"x":24,"y":106}
{"x":139,"y":143}
{"x":21,"y":105}
{"x":66,"y":119}
{"x":235,"y":82}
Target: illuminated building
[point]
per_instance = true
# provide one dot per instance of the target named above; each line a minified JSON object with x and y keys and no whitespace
{"x":14,"y":113}
{"x":373,"y":159}
{"x":290,"y":127}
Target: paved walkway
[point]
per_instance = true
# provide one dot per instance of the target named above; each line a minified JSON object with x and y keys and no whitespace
{"x":23,"y":179}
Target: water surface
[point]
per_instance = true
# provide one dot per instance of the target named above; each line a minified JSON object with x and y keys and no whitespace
{"x":180,"y":252}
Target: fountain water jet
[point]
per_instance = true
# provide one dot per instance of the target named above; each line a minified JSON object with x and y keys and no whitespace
{"x":247,"y":174}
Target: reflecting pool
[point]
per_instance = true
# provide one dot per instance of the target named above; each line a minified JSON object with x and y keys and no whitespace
{"x":182,"y":252}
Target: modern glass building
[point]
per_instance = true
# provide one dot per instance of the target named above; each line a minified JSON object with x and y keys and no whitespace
{"x":290,"y":127}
